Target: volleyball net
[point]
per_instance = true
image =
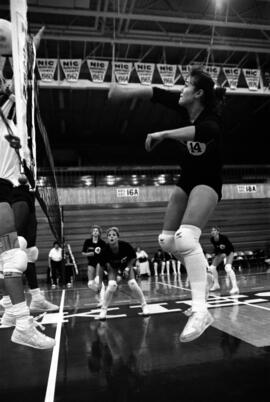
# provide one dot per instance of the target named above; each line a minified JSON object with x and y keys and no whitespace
{"x":31,"y":128}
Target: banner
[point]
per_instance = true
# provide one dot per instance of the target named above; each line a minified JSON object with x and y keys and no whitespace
{"x":252,"y":77}
{"x":145,"y":72}
{"x":122,"y":72}
{"x":167,"y":73}
{"x":184,"y":70}
{"x":71,"y":68}
{"x":213,"y":71}
{"x":46,"y":68}
{"x":232,"y":75}
{"x":97,"y":69}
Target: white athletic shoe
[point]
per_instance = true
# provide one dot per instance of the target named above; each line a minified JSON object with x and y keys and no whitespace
{"x":215,"y":287}
{"x":102,"y":314}
{"x":42,"y":305}
{"x":30,"y":336}
{"x":69,"y":285}
{"x":145,"y":310}
{"x":196,"y":325}
{"x":8,"y":319}
{"x":234,"y":290}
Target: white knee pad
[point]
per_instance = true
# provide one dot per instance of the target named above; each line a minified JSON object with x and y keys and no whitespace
{"x":112,"y":286}
{"x":22,"y":243}
{"x":32,"y":254}
{"x":14,"y":262}
{"x":132,"y":283}
{"x":187,"y":240}
{"x":228,"y":268}
{"x":167,"y":242}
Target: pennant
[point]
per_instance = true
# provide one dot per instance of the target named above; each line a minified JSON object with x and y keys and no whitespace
{"x":167,"y":73}
{"x":145,"y":72}
{"x":71,"y":68}
{"x":122,"y":72}
{"x":97,"y":69}
{"x":252,"y":77}
{"x":232,"y":75}
{"x":46,"y":68}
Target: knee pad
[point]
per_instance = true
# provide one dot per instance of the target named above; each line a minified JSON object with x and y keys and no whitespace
{"x":32,"y":254}
{"x":132,"y":283}
{"x":22,"y":243}
{"x":167,"y":242}
{"x":228,"y":268}
{"x":187,"y":240}
{"x":14,"y":262}
{"x":112,"y":286}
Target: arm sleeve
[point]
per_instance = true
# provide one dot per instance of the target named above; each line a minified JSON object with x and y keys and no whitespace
{"x":169,"y":99}
{"x":206,"y":131}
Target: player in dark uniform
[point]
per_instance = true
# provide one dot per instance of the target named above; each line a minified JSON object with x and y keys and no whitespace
{"x":199,"y":188}
{"x":223,"y":250}
{"x":119,"y":259}
{"x":92,"y":249}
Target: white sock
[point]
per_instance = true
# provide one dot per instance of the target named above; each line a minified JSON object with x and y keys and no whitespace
{"x":36,"y":294}
{"x":137,"y":291}
{"x":7,"y":304}
{"x":195,"y":263}
{"x":22,"y":314}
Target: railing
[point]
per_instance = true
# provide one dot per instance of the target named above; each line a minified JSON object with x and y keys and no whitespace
{"x":144,"y":176}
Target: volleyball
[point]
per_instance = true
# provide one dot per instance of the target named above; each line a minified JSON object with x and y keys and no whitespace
{"x":5,"y":37}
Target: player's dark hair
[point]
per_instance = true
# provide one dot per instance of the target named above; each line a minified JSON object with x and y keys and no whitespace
{"x":213,"y":97}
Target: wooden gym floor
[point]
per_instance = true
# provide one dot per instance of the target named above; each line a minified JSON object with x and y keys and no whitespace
{"x":133,"y":358}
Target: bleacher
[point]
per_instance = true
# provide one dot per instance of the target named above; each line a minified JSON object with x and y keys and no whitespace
{"x":244,"y":221}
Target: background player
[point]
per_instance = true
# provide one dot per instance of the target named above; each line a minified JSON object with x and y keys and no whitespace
{"x":223,"y":250}
{"x":119,"y":258}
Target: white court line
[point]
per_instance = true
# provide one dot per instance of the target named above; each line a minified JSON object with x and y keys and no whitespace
{"x":55,"y":355}
{"x":224,"y":298}
{"x":174,"y":286}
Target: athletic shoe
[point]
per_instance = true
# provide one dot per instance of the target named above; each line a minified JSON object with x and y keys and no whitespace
{"x":30,"y":336}
{"x":8,"y":319}
{"x":102,"y":314}
{"x":69,"y":285}
{"x":234,"y":290}
{"x":145,"y":309}
{"x":43,"y":305}
{"x":53,"y":286}
{"x":215,"y":287}
{"x":196,"y":325}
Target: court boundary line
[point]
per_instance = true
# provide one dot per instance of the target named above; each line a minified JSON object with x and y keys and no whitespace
{"x":223,"y":298}
{"x":51,"y":383}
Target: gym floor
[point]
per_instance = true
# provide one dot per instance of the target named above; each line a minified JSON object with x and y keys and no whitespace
{"x":129,"y":357}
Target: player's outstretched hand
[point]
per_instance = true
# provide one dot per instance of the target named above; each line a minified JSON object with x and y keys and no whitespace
{"x":152,"y":140}
{"x":117,"y":93}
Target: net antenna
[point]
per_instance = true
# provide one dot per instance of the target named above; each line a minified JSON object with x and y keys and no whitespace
{"x":29,"y":121}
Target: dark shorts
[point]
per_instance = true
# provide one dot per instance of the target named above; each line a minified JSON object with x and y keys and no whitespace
{"x":188,"y":183}
{"x":5,"y":191}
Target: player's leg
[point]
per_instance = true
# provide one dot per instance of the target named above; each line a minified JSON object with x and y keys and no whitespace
{"x":137,"y":291}
{"x":231,"y":274}
{"x":213,"y":269}
{"x":109,"y":292}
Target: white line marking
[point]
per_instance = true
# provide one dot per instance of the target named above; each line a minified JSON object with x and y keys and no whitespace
{"x":174,"y":286}
{"x":55,"y":355}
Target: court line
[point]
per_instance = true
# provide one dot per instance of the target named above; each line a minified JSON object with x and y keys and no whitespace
{"x":224,"y":298}
{"x":55,"y":355}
